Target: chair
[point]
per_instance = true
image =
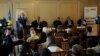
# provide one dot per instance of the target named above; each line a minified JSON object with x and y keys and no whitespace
{"x":58,"y":35}
{"x":58,"y":41}
{"x":60,"y":53}
{"x":65,"y":46}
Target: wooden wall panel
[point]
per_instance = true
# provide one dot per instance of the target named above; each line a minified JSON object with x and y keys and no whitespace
{"x":50,"y":9}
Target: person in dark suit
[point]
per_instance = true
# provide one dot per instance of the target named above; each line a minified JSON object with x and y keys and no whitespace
{"x":23,"y":20}
{"x":43,"y":24}
{"x":3,"y":23}
{"x":81,"y":22}
{"x":42,"y":37}
{"x":6,"y":42}
{"x":68,"y":23}
{"x":36,"y":23}
{"x":61,"y":30}
{"x":57,"y":22}
{"x":45,"y":52}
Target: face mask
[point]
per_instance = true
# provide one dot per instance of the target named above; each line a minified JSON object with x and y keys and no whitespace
{"x":32,"y":34}
{"x":7,"y":33}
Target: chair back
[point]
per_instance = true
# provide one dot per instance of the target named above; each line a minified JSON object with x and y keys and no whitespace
{"x":58,"y":41}
{"x":65,"y":46}
{"x":60,"y":53}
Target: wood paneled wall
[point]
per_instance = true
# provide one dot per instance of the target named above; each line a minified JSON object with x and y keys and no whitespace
{"x":49,"y":10}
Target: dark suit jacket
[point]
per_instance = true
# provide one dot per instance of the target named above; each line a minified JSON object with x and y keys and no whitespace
{"x":56,"y":23}
{"x":7,"y":47}
{"x":35,"y":24}
{"x":4,"y":24}
{"x":80,"y":22}
{"x":42,"y":37}
{"x":22,"y":21}
{"x":66,"y":24}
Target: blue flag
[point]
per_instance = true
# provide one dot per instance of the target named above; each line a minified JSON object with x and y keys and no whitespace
{"x":17,"y":24}
{"x":9,"y":15}
{"x":9,"y":18}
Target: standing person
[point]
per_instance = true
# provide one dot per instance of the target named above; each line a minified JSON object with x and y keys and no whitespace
{"x":4,"y":23}
{"x":57,"y":22}
{"x":81,"y":22}
{"x":45,"y":52}
{"x":8,"y":42}
{"x":23,"y":21}
{"x":69,"y":23}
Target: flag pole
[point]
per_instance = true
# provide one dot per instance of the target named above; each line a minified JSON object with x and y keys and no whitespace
{"x":12,"y":11}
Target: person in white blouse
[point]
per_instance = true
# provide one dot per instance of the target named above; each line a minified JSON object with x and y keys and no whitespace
{"x":34,"y":35}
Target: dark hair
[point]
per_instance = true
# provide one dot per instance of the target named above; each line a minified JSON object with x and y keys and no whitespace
{"x":50,"y":34}
{"x":45,"y":52}
{"x":36,"y":30}
{"x":42,"y":37}
{"x":51,"y":39}
{"x":89,"y":29}
{"x":25,"y":47}
{"x":44,"y":24}
{"x":1,"y":40}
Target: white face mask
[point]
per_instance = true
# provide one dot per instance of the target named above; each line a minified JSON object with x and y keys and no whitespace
{"x":7,"y":33}
{"x":32,"y":35}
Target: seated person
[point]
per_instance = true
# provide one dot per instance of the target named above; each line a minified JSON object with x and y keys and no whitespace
{"x":50,"y":43}
{"x":61,"y":30}
{"x":89,"y":30}
{"x":36,"y":23}
{"x":34,"y":35}
{"x":42,"y":37}
{"x":76,"y":49}
{"x":57,"y":22}
{"x":52,"y":46}
{"x":44,"y":24}
{"x":45,"y":52}
{"x":69,"y":31}
{"x":45,"y":44}
{"x":27,"y":49}
{"x":69,"y":23}
{"x":81,"y":22}
{"x":94,"y":50}
{"x":45,"y":29}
